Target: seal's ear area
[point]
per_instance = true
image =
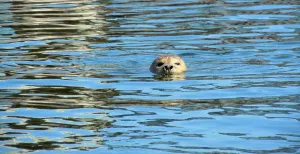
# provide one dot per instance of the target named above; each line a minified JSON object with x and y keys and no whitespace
{"x":152,"y":67}
{"x":156,"y":64}
{"x":179,"y":64}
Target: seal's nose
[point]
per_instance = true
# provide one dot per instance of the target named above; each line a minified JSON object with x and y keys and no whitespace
{"x":167,"y":68}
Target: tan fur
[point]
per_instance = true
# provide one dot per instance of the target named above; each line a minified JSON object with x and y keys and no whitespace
{"x":168,"y":61}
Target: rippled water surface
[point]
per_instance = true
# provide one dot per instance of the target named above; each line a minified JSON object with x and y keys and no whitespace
{"x":74,"y":76}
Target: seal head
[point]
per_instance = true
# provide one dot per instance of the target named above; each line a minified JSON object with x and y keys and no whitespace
{"x":168,"y":65}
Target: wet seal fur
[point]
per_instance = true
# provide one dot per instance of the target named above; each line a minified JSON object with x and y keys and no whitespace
{"x":168,"y":65}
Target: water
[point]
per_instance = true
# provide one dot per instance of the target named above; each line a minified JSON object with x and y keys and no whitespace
{"x":74,"y":76}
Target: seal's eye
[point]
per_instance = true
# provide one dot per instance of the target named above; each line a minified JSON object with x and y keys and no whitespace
{"x":159,"y":64}
{"x":177,"y":63}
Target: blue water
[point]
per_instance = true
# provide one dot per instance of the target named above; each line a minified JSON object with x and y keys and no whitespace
{"x":74,"y":76}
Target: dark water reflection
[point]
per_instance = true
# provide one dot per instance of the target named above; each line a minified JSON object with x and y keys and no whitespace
{"x":74,"y":76}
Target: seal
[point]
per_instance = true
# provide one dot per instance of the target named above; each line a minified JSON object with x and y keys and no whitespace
{"x":168,"y":65}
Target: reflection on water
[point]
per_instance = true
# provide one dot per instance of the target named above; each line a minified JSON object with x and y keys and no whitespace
{"x":74,"y":76}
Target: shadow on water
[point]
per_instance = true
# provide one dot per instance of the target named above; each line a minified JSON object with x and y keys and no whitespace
{"x":74,"y":76}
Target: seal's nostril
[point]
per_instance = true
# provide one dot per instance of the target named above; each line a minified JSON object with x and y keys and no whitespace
{"x":166,"y":68}
{"x":170,"y":67}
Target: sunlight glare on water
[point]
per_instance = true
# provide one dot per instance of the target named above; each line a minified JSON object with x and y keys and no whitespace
{"x":74,"y":76}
